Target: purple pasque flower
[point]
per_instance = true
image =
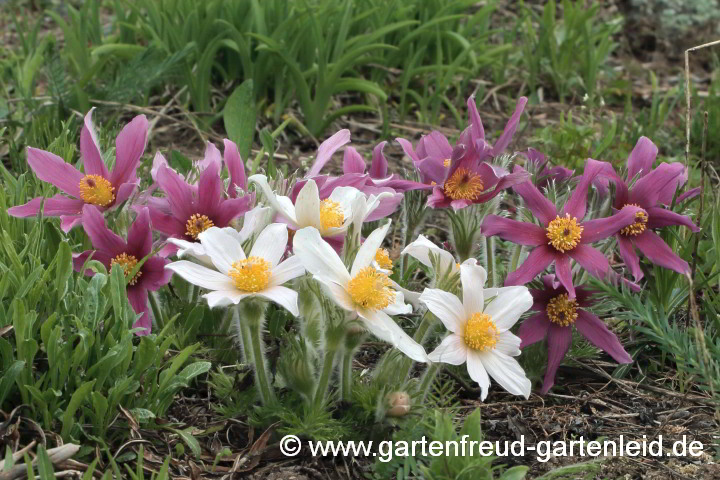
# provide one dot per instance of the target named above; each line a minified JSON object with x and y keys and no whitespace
{"x":96,"y":185}
{"x":110,"y":249}
{"x":377,"y":176}
{"x":652,"y":189}
{"x":433,"y":148}
{"x":562,"y":236}
{"x":557,"y":313}
{"x":189,"y":209}
{"x":546,"y":174}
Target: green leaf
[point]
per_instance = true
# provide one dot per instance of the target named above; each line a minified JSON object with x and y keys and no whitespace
{"x":68,"y":418}
{"x":189,"y":440}
{"x":239,"y":116}
{"x":45,"y":468}
{"x":515,"y":473}
{"x":8,"y":378}
{"x":63,"y":268}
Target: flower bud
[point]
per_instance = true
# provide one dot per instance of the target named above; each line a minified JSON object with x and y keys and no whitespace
{"x":399,"y":403}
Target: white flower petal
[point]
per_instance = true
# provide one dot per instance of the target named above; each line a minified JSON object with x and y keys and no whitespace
{"x":271,"y":243}
{"x":286,"y":271}
{"x":398,"y":307}
{"x":473,"y":278}
{"x":508,"y":344}
{"x":447,"y":307}
{"x":307,"y":206}
{"x":508,"y":305}
{"x":223,"y":298}
{"x":339,"y":295}
{"x":284,"y":207}
{"x":452,"y":350}
{"x":283,"y":296}
{"x":253,"y":221}
{"x":385,"y":328}
{"x":192,"y":249}
{"x":507,"y":372}
{"x":319,"y":258}
{"x":421,"y":248}
{"x":366,"y":252}
{"x":346,"y":196}
{"x":477,"y":372}
{"x":222,"y":248}
{"x":413,"y":298}
{"x":201,"y":276}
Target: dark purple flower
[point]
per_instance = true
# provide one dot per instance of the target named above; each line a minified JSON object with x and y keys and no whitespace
{"x":96,"y":186}
{"x":546,"y":174}
{"x":110,"y":249}
{"x":653,"y":189}
{"x":557,"y":313}
{"x":562,"y":236}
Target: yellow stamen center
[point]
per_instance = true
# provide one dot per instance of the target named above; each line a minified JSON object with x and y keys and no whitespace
{"x":639,"y":226}
{"x":128,"y":263}
{"x":446,"y":162}
{"x":463,"y":185}
{"x":197,"y":224}
{"x":382,"y":258}
{"x":96,"y":190}
{"x":331,"y":214}
{"x":251,"y":275}
{"x":370,"y":289}
{"x":564,"y":233}
{"x":480,"y":332}
{"x":562,"y":310}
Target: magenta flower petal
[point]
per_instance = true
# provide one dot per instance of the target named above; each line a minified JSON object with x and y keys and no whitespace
{"x":210,"y":188}
{"x":129,"y":147}
{"x":591,"y":260}
{"x":522,"y":233}
{"x":432,"y":170}
{"x":387,"y":207}
{"x":124,"y":192}
{"x":379,"y":165}
{"x":577,"y":204}
{"x":235,"y":166}
{"x":659,"y":217}
{"x":327,"y":149}
{"x":504,"y":140}
{"x":155,"y":275}
{"x":641,"y":158}
{"x":435,"y":145}
{"x":230,"y":209}
{"x":212,"y":157}
{"x":179,"y":193}
{"x":29,"y":209}
{"x":353,"y":161}
{"x":101,"y":237}
{"x":79,"y":260}
{"x":53,"y":207}
{"x":89,"y":150}
{"x":408,"y":149}
{"x":597,"y":333}
{"x":68,"y":222}
{"x":533,"y":329}
{"x":661,"y":182}
{"x":655,"y":249}
{"x":139,"y":301}
{"x":600,"y":228}
{"x":538,"y":260}
{"x":693,"y":192}
{"x":564,"y":274}
{"x":631,"y":259}
{"x":559,"y":340}
{"x":52,"y":169}
{"x":139,"y":238}
{"x":541,"y":207}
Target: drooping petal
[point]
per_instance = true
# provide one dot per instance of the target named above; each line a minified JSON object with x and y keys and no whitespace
{"x":379,"y":165}
{"x":446,"y":307}
{"x":564,"y":274}
{"x":507,"y":307}
{"x":271,"y":243}
{"x":283,"y":296}
{"x":353,"y":161}
{"x":201,"y":276}
{"x":641,"y":158}
{"x":477,"y":372}
{"x":627,"y":252}
{"x":287,"y":270}
{"x":659,"y":217}
{"x":591,"y":260}
{"x":422,"y":248}
{"x":408,"y":149}
{"x":658,"y":252}
{"x":541,"y":207}
{"x":538,"y":260}
{"x":138,"y":298}
{"x":507,"y":372}
{"x":398,"y":306}
{"x":533,"y":329}
{"x":558,"y":340}
{"x":521,"y":233}
{"x":385,"y":328}
{"x":129,"y":147}
{"x":283,"y":205}
{"x":510,"y":128}
{"x":101,"y":237}
{"x":318,"y":257}
{"x":235,"y":166}
{"x":50,"y":168}
{"x":597,"y":333}
{"x":367,"y":251}
{"x":327,"y":149}
{"x":472,"y":277}
{"x":452,"y":350}
{"x":90,"y":151}
{"x":223,"y":298}
{"x":600,"y":228}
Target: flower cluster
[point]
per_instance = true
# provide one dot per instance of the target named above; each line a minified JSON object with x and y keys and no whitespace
{"x":248,"y":241}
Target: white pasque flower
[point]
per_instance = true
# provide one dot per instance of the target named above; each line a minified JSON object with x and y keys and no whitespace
{"x":253,"y":221}
{"x":332,"y":216}
{"x":237,"y":276}
{"x":425,"y":251}
{"x":480,"y":335}
{"x":364,"y":290}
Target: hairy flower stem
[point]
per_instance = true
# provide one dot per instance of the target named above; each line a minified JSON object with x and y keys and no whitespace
{"x":517,"y":251}
{"x":428,"y":380}
{"x":490,"y":257}
{"x":253,"y":313}
{"x":334,"y":338}
{"x":156,"y":311}
{"x":346,"y":373}
{"x":243,"y":332}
